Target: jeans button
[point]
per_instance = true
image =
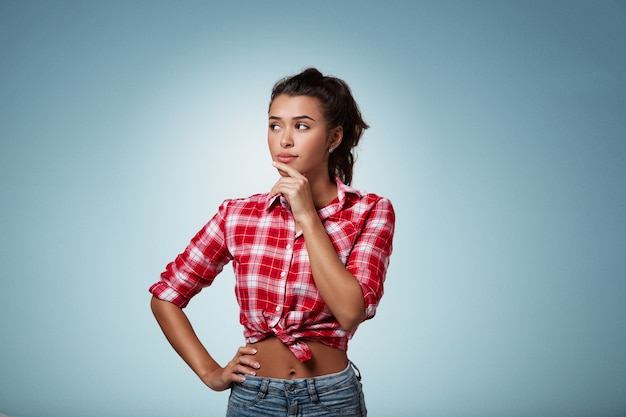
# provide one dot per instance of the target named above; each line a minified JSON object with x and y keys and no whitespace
{"x":292,"y":387}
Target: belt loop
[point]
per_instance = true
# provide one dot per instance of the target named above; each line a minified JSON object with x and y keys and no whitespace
{"x":312,"y":391}
{"x":357,"y":372}
{"x":264,"y":388}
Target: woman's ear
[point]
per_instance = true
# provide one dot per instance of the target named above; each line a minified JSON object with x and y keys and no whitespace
{"x":335,"y":137}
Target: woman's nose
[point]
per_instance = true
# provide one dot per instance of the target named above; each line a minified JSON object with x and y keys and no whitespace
{"x":286,"y":139}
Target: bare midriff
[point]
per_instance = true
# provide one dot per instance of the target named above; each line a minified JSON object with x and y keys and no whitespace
{"x":277,"y":361}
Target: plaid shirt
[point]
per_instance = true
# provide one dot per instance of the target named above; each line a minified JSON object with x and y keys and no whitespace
{"x":274,"y":283}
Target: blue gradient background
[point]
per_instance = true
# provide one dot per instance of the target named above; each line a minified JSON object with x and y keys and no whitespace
{"x":498,"y":131}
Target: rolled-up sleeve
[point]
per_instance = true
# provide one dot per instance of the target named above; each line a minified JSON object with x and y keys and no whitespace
{"x":369,"y":259}
{"x":199,"y":264}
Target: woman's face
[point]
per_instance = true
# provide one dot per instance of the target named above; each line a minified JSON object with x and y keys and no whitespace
{"x":298,"y":135}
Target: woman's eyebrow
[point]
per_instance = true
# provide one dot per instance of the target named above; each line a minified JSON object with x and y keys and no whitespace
{"x":293,"y":118}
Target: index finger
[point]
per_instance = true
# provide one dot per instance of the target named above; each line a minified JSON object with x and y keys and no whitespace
{"x":286,"y":168}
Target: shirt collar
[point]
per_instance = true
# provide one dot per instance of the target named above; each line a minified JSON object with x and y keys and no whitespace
{"x":343,"y":192}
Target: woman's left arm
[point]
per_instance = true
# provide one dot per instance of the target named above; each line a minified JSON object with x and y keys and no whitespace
{"x":337,"y":286}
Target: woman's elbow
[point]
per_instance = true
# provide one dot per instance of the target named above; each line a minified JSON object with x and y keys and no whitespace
{"x":350,"y":322}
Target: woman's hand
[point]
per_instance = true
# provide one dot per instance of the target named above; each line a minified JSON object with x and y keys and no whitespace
{"x":296,"y":189}
{"x":235,"y":371}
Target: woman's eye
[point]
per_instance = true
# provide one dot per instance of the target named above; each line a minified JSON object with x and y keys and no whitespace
{"x":301,"y":126}
{"x":274,"y":126}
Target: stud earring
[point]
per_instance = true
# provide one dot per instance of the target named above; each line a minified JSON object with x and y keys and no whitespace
{"x":331,"y":149}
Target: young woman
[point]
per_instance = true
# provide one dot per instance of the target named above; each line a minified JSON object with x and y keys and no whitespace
{"x":310,"y":258}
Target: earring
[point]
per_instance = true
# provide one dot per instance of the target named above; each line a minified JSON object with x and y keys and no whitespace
{"x":331,"y":149}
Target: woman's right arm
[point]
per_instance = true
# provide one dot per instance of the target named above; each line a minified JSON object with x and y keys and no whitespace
{"x":182,"y":337}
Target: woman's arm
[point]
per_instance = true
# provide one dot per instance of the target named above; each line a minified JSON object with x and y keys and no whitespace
{"x":180,"y":334}
{"x":338,"y":287}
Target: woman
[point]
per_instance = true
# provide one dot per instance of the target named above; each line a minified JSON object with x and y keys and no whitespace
{"x":310,"y":258}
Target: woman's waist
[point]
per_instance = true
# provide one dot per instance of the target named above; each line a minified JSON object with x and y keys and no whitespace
{"x":278,"y":361}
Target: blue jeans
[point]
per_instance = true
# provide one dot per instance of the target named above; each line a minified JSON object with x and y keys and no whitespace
{"x":339,"y":394}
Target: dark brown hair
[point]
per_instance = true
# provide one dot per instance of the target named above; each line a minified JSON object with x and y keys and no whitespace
{"x":339,"y":109}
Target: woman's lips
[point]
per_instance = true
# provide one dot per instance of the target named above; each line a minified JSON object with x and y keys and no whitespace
{"x":285,"y":158}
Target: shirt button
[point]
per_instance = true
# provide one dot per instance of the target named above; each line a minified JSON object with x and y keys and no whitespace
{"x":288,"y":246}
{"x":277,"y":308}
{"x":283,"y":274}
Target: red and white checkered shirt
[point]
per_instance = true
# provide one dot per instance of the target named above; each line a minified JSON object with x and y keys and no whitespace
{"x":274,"y":283}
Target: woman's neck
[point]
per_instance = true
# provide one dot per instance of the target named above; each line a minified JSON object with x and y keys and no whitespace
{"x":323,"y":191}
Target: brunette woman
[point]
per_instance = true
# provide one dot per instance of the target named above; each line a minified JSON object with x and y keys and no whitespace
{"x":310,"y":259}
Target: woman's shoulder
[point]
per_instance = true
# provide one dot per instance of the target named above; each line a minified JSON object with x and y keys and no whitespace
{"x":254,"y":201}
{"x":364,"y":197}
